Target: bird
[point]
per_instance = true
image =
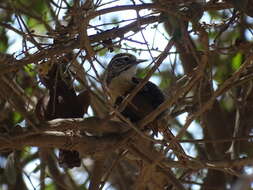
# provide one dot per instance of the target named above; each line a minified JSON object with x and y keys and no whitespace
{"x":121,"y":79}
{"x":62,"y":102}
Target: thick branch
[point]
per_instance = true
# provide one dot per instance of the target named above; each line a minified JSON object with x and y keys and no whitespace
{"x":69,"y":134}
{"x":92,"y":125}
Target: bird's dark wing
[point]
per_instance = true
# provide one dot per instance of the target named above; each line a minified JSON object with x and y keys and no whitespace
{"x":151,"y":92}
{"x":145,"y":101}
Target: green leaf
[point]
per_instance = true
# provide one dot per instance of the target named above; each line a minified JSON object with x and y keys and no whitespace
{"x":16,"y":117}
{"x":29,"y":91}
{"x":35,"y":25}
{"x":30,"y":69}
{"x":141,"y":73}
{"x":3,"y":40}
{"x":165,"y":82}
{"x":26,"y":153}
{"x":236,"y":61}
{"x":102,"y":52}
{"x":50,"y":187}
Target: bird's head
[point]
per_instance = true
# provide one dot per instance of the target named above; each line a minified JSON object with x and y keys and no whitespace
{"x":122,"y":67}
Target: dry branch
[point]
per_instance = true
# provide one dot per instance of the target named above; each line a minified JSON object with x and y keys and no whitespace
{"x":60,"y":133}
{"x":68,"y":134}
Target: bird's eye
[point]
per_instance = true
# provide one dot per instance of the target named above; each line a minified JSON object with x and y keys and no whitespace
{"x":126,"y":59}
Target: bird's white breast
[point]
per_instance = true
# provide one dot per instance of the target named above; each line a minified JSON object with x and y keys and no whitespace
{"x":122,"y":83}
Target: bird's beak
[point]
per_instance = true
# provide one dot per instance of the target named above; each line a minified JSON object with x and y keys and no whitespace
{"x":140,"y":60}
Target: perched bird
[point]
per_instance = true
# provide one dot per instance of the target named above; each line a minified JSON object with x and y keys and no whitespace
{"x":62,"y":102}
{"x":121,"y":80}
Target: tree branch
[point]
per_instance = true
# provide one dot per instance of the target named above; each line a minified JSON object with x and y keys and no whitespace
{"x":69,"y":134}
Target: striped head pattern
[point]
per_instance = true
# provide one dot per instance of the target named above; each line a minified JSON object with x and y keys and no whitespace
{"x":122,"y":65}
